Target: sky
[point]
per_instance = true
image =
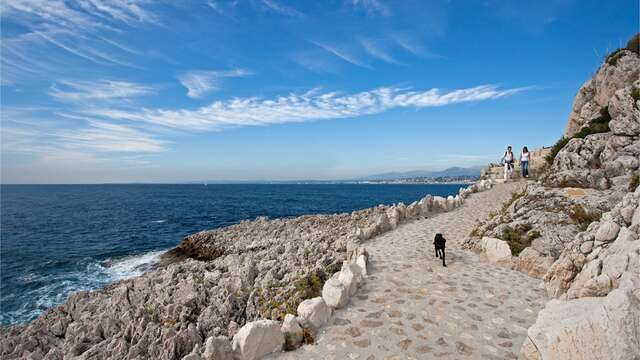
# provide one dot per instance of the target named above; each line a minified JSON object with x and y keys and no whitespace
{"x":98,"y":91}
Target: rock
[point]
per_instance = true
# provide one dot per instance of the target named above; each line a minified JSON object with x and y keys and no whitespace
{"x":607,"y":231}
{"x":426,"y":204}
{"x":362,"y":262}
{"x":496,"y":250}
{"x":586,"y":247}
{"x":413,"y":210}
{"x":625,"y":116}
{"x":589,"y":328}
{"x":334,"y":293}
{"x":382,"y":224}
{"x":635,"y":219}
{"x":217,"y":348}
{"x":258,"y":338}
{"x":314,"y":313}
{"x":350,"y":276}
{"x":292,"y":332}
{"x":532,"y":263}
{"x":192,"y":356}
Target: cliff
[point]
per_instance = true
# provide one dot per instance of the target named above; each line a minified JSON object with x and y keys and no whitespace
{"x":578,"y":228}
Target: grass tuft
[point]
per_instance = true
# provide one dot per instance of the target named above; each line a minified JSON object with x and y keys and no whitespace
{"x":635,"y":181}
{"x":519,"y":238}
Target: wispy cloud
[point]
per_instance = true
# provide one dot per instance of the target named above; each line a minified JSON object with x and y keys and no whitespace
{"x":82,"y":29}
{"x":100,"y":136}
{"x":202,"y":82}
{"x":301,"y":107}
{"x":372,"y":7}
{"x":98,"y":90}
{"x":378,"y":51}
{"x":282,"y":9}
{"x":343,"y":54}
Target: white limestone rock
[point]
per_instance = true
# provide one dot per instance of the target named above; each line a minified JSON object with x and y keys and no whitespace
{"x":292,"y":332}
{"x":496,"y":250}
{"x":607,"y":231}
{"x":362,"y":262}
{"x":217,"y":348}
{"x":589,"y":328}
{"x":314,"y":313}
{"x":258,"y":338}
{"x":350,"y":276}
{"x":334,"y":293}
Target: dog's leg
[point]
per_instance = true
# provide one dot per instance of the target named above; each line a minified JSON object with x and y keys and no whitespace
{"x":443,"y":263}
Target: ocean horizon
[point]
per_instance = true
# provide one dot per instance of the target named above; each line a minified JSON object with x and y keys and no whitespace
{"x":60,"y":239}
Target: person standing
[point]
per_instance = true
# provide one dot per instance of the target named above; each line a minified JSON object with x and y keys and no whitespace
{"x":524,"y":162}
{"x":508,"y":163}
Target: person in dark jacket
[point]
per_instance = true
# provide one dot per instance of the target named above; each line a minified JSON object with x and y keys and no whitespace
{"x":439,"y":243}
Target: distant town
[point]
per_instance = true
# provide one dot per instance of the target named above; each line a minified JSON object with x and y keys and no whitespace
{"x":463,"y":179}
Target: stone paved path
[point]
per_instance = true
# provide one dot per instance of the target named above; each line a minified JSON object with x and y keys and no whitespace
{"x":413,"y":308}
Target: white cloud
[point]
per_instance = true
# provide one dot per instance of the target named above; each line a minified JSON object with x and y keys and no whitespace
{"x":200,"y":82}
{"x":102,"y":136}
{"x":372,"y":7}
{"x":343,"y":54}
{"x":98,"y":90}
{"x":301,"y":107}
{"x":282,"y":9}
{"x":42,"y":138}
{"x":378,"y":51}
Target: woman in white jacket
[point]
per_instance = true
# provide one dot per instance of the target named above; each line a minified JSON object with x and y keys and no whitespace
{"x":508,"y":160}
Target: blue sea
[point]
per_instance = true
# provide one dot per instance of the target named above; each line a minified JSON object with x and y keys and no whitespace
{"x":58,"y":239}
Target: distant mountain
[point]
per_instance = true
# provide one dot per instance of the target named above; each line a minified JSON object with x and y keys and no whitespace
{"x":450,"y":172}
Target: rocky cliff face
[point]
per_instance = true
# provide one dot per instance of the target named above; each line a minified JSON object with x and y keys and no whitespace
{"x":608,"y":159}
{"x":578,"y":228}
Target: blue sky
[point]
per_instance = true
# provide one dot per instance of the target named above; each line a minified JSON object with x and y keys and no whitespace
{"x":164,"y":91}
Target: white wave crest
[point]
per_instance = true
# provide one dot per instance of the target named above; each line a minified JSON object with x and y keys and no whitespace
{"x":132,"y":266}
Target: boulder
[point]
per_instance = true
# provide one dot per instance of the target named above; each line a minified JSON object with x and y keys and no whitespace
{"x":589,"y":328}
{"x":292,"y":332}
{"x":382,"y":224}
{"x":334,"y":293}
{"x":258,"y":338}
{"x":350,"y":276}
{"x":531,"y":262}
{"x":217,"y":348}
{"x":607,"y":231}
{"x":426,"y":203}
{"x":362,"y":262}
{"x":313,"y":313}
{"x":496,"y":250}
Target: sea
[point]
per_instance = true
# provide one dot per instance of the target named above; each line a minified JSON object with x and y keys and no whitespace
{"x":60,"y":239}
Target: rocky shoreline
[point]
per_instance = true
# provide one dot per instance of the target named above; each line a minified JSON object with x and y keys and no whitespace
{"x":212,"y":284}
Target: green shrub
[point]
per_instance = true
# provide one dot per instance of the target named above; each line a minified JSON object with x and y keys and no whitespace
{"x":612,"y":59}
{"x":596,"y":126}
{"x":635,"y":94}
{"x":635,"y":181}
{"x":555,"y":149}
{"x":519,"y":238}
{"x":634,"y":44}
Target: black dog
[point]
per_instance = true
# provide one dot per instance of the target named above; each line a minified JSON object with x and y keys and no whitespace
{"x":439,"y":242}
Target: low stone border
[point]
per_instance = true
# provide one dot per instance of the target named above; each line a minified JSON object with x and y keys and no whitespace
{"x":262,"y":337}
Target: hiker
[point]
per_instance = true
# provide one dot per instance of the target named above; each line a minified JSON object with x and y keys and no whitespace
{"x":524,"y":162}
{"x":439,"y":243}
{"x":507,"y":160}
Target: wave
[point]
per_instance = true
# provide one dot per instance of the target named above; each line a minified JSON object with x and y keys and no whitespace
{"x":132,"y":266}
{"x":53,"y":289}
{"x":159,"y":221}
